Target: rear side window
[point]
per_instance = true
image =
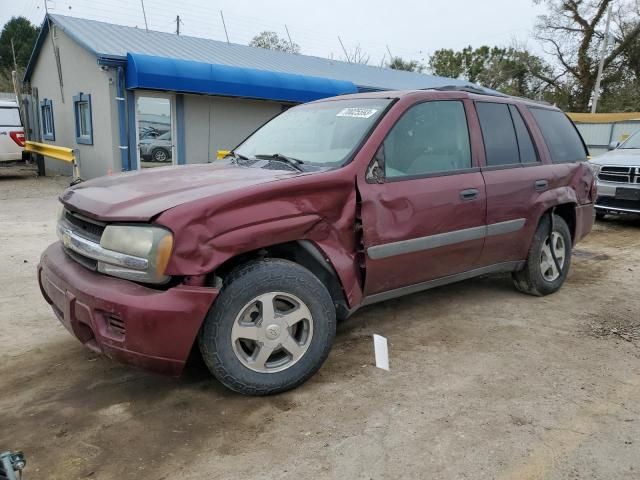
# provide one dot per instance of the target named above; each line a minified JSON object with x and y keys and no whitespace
{"x":10,"y":117}
{"x":561,"y":137}
{"x":525,"y":145}
{"x":498,"y":132}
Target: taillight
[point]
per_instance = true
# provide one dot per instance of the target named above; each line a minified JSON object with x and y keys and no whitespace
{"x":17,"y":137}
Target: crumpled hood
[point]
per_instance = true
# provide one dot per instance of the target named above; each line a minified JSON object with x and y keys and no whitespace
{"x":620,"y":156}
{"x":141,"y":195}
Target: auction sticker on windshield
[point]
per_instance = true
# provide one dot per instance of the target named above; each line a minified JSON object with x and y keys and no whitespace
{"x":356,"y":112}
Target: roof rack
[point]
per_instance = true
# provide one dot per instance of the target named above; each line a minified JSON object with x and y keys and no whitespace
{"x":483,"y":91}
{"x":468,"y":89}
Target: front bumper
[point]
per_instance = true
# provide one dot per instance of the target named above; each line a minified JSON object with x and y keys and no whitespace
{"x":608,"y":201}
{"x":152,"y":329}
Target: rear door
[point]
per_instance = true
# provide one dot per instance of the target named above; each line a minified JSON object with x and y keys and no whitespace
{"x":514,"y":177}
{"x":11,"y":134}
{"x":426,"y":218}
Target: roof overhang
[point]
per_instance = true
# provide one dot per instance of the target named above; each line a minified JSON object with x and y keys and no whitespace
{"x":170,"y":74}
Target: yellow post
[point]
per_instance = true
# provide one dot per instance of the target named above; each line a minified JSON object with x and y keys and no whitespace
{"x":63,"y":154}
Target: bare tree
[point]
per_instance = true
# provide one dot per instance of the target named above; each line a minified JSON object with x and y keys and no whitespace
{"x":571,"y":32}
{"x":357,"y":55}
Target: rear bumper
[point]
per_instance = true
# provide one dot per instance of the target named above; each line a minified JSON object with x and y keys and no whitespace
{"x":141,"y":326}
{"x":584,"y":221}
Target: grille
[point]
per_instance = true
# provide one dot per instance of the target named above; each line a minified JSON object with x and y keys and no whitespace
{"x":89,"y":229}
{"x":612,"y":173}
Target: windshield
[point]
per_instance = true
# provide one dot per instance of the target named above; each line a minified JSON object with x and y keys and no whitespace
{"x":632,"y":142}
{"x":323,"y":133}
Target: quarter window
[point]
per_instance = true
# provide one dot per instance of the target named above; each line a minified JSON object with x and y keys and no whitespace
{"x":430,"y":138}
{"x":84,"y":125}
{"x":560,"y":135}
{"x":498,"y":132}
{"x":46,"y":114}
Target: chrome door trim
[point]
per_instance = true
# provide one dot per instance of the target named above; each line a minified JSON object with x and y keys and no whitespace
{"x":412,"y":245}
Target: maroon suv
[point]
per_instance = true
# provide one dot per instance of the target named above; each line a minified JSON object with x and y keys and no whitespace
{"x":330,"y":206}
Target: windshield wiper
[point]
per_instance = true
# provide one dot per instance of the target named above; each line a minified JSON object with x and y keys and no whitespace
{"x":294,"y":162}
{"x":237,"y":155}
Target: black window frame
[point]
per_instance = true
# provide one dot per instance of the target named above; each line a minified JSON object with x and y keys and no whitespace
{"x":443,"y":173}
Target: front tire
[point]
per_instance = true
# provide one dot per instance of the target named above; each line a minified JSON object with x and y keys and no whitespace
{"x":600,"y":215}
{"x":540,"y":275}
{"x":270,"y":329}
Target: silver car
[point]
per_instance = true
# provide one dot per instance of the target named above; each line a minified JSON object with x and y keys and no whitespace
{"x":618,"y":174}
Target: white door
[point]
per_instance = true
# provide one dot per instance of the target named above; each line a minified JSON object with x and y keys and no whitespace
{"x":155,"y":129}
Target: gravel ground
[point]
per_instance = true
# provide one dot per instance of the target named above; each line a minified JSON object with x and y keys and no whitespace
{"x":484,"y":382}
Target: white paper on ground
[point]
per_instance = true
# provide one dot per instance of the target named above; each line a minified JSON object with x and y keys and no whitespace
{"x":381,"y":351}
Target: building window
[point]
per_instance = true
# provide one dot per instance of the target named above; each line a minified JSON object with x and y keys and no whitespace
{"x":46,"y":113}
{"x":82,"y":112}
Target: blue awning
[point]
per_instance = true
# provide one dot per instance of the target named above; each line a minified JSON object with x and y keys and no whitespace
{"x":160,"y":73}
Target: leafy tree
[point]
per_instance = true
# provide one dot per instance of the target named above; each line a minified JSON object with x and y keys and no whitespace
{"x":572,"y":31}
{"x":271,"y":41}
{"x":24,"y":35}
{"x":510,"y":70}
{"x":398,"y":63}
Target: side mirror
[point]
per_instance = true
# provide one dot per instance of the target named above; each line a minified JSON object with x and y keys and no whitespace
{"x":614,"y":145}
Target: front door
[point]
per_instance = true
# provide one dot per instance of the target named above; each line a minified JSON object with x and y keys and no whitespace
{"x":155,"y":129}
{"x":426,"y":219}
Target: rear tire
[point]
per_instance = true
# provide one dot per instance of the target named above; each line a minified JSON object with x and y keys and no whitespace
{"x":540,"y":275}
{"x":270,"y":329}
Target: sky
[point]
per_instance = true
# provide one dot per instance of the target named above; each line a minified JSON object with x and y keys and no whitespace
{"x":410,"y":29}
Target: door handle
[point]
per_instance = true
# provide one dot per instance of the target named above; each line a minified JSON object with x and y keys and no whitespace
{"x":469,"y":194}
{"x":541,"y":185}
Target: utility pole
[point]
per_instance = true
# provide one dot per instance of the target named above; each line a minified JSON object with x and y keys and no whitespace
{"x":178,"y":25}
{"x":13,"y":51}
{"x":603,"y":53}
{"x":146,"y":27}
{"x":224,"y":25}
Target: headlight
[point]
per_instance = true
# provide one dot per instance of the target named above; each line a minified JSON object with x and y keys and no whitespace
{"x":595,"y":168}
{"x":153,"y":244}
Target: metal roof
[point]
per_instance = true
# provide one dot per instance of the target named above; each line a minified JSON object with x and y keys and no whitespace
{"x":603,"y":117}
{"x":115,"y":41}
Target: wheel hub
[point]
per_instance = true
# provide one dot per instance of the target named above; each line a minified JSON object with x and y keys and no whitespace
{"x":272,"y":332}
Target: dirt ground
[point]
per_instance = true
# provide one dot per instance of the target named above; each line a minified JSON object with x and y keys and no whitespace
{"x":484,"y":382}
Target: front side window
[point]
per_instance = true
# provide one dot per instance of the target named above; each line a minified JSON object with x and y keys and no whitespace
{"x":562,"y":138}
{"x":84,"y":125}
{"x":430,"y":138}
{"x":320,"y":133}
{"x":46,"y":115}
